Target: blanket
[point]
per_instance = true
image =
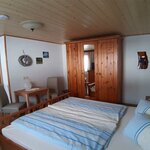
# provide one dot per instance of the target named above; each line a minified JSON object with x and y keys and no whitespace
{"x":74,"y":123}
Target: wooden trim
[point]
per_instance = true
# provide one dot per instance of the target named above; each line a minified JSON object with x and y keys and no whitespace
{"x":1,"y":76}
{"x":136,"y":34}
{"x":6,"y":120}
{"x":89,"y":40}
{"x":120,"y":69}
{"x":68,"y":66}
{"x":9,"y":86}
{"x":6,"y":143}
{"x":70,"y":41}
{"x":99,"y":37}
{"x":31,"y":39}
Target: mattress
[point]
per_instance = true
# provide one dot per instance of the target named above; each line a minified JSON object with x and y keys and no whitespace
{"x":29,"y":141}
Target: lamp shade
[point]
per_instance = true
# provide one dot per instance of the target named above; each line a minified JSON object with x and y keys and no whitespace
{"x":31,"y":24}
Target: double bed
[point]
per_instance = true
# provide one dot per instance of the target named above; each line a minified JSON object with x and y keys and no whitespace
{"x":72,"y":124}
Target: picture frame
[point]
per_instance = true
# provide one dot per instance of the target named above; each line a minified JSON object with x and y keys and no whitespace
{"x":39,"y":60}
{"x":45,"y":54}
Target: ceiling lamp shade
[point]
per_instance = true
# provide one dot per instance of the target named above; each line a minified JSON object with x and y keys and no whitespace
{"x":4,"y":17}
{"x":31,"y":24}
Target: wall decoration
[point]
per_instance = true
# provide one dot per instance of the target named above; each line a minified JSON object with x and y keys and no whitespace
{"x":45,"y":54}
{"x":142,"y":60}
{"x":25,"y":60}
{"x":39,"y":60}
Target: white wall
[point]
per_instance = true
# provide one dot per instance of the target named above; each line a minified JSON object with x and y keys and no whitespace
{"x":3,"y":64}
{"x":64,"y":57}
{"x":38,"y":73}
{"x":136,"y":82}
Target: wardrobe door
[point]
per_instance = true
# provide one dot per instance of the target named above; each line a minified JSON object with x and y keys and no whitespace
{"x":109,"y":73}
{"x":80,"y":71}
{"x":72,"y":59}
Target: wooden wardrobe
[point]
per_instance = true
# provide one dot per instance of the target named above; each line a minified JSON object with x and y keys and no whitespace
{"x":108,"y":64}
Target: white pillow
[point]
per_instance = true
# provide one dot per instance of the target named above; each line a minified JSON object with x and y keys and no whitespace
{"x":144,"y":138}
{"x":138,"y":130}
{"x":143,"y":107}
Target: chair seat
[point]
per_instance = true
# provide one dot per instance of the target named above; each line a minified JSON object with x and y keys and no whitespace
{"x":13,"y":107}
{"x":53,"y":95}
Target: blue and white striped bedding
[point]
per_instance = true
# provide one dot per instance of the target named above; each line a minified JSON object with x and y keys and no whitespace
{"x":143,"y":107}
{"x":138,"y":130}
{"x":74,"y":123}
{"x":115,"y":111}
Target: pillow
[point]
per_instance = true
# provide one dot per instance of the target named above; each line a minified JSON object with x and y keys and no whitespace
{"x":138,"y":129}
{"x":143,"y":107}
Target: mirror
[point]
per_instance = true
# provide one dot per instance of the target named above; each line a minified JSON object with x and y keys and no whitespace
{"x":89,"y":70}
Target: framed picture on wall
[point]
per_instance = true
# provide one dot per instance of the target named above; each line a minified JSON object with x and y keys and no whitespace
{"x":45,"y":54}
{"x":39,"y":60}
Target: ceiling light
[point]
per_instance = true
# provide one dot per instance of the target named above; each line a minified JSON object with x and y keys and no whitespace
{"x":31,"y":24}
{"x":4,"y":17}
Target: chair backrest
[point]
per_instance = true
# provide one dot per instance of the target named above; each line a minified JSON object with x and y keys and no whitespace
{"x":3,"y":97}
{"x":52,"y":84}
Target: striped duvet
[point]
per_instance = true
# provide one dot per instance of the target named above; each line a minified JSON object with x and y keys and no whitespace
{"x":74,"y":123}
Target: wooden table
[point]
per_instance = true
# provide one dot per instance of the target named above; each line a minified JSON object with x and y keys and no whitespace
{"x":32,"y":92}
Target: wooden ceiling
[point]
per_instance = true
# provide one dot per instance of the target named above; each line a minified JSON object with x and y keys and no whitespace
{"x":75,"y":19}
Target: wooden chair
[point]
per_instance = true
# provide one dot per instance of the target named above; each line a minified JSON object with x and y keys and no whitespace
{"x":52,"y":84}
{"x":91,"y":87}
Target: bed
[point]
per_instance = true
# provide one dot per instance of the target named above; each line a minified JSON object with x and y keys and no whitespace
{"x":103,"y":130}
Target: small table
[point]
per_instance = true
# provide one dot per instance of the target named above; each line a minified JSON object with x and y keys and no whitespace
{"x":32,"y":92}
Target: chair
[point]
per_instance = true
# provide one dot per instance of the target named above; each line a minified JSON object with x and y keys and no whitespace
{"x":5,"y":106}
{"x":52,"y":84}
{"x":91,"y":89}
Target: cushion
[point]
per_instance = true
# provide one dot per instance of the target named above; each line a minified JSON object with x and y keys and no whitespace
{"x":138,"y":129}
{"x":13,"y":107}
{"x":143,"y":107}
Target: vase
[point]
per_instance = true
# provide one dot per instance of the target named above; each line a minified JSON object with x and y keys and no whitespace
{"x":27,"y":83}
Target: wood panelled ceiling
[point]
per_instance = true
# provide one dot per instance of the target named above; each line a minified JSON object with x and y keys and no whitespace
{"x":75,"y":19}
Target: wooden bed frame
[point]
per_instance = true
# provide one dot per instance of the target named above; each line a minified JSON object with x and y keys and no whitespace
{"x":7,"y":144}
